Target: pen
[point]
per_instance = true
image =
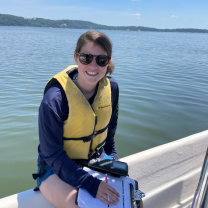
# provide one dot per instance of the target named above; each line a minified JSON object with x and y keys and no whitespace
{"x":106,"y":180}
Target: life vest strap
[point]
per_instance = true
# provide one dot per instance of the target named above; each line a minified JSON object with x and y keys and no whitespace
{"x":97,"y":148}
{"x":100,"y":145}
{"x":88,"y":138}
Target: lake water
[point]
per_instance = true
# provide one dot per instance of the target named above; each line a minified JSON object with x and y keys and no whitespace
{"x":163,"y":82}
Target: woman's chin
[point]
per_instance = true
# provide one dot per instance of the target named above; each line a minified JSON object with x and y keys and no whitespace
{"x":92,"y":79}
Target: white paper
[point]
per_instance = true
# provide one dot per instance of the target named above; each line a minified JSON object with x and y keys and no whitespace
{"x":85,"y":200}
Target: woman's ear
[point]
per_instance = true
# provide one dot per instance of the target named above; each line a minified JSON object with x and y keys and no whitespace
{"x":76,"y":59}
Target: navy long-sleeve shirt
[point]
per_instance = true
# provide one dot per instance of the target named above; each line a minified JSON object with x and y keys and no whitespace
{"x":53,"y":112}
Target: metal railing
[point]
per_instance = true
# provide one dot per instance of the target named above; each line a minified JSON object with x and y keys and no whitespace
{"x":201,"y":195}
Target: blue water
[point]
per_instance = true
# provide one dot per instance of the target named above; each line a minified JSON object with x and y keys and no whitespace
{"x":163,"y":82}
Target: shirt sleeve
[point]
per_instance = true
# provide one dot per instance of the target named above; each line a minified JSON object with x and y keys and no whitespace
{"x":51,"y":117}
{"x":109,"y":146}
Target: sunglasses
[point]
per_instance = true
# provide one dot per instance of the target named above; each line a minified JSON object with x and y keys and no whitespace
{"x":86,"y":58}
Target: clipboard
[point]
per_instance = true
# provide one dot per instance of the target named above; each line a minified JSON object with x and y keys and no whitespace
{"x":127,"y":188}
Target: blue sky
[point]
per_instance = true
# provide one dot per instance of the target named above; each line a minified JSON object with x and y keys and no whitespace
{"x":148,"y":13}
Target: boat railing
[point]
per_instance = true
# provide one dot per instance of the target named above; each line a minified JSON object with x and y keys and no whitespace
{"x":201,"y":195}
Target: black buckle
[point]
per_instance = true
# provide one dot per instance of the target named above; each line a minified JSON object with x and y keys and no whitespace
{"x":35,"y":176}
{"x":89,"y":138}
{"x":97,"y":152}
{"x":41,"y":173}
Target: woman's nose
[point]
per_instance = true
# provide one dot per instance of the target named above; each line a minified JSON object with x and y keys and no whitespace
{"x":94,"y":63}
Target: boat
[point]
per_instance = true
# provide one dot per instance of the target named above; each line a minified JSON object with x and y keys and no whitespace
{"x":167,"y":174}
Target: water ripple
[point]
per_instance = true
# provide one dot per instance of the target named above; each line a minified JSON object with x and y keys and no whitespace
{"x":162,"y":80}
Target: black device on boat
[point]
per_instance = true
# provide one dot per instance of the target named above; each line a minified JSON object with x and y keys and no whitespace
{"x":111,"y":167}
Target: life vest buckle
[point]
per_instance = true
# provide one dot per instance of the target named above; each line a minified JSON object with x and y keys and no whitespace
{"x":89,"y":138}
{"x":97,"y":152}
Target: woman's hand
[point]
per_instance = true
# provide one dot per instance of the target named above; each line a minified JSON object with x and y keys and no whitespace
{"x":105,"y":190}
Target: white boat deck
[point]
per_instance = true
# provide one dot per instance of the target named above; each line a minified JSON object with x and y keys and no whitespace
{"x":168,"y":174}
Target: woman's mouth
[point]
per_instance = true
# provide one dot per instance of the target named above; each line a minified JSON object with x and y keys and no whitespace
{"x":91,"y":73}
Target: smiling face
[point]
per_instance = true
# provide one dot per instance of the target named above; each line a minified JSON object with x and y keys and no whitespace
{"x":91,"y":74}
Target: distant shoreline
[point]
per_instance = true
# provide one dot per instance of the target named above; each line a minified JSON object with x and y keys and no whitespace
{"x":97,"y":29}
{"x":16,"y":21}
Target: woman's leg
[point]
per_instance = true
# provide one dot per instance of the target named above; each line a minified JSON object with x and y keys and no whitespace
{"x":59,"y":193}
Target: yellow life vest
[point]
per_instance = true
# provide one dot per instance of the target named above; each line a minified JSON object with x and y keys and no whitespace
{"x":85,"y":129}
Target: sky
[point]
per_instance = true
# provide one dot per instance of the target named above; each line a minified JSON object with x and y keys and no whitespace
{"x":159,"y":14}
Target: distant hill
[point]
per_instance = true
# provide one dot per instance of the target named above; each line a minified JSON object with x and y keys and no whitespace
{"x":11,"y":20}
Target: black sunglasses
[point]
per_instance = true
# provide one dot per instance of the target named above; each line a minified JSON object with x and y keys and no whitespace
{"x":86,"y":58}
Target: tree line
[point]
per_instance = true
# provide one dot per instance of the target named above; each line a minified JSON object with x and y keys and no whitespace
{"x":11,"y":20}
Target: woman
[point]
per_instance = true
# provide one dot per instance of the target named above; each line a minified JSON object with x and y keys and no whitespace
{"x":77,"y":120}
